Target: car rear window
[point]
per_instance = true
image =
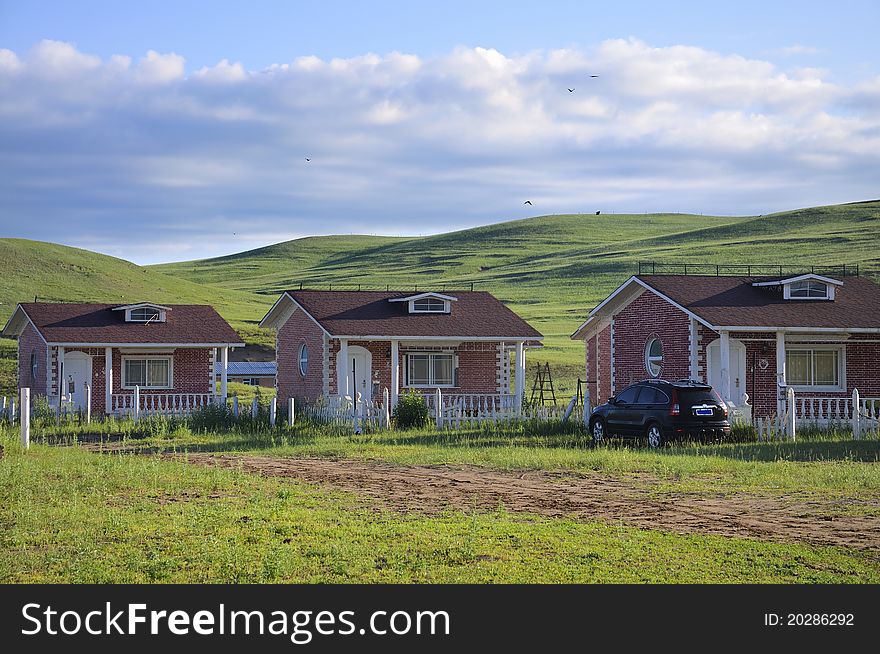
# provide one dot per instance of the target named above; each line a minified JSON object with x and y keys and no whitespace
{"x":652,"y":396}
{"x":698,"y":396}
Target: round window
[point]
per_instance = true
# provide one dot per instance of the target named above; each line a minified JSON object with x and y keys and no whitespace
{"x":303,"y":359}
{"x":654,"y":357}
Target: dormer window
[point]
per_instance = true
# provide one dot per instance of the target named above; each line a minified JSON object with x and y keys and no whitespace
{"x":144,"y":315}
{"x":808,"y":289}
{"x":803,"y":287}
{"x":430,"y":305}
{"x":427,"y":302}
{"x":144,"y":312}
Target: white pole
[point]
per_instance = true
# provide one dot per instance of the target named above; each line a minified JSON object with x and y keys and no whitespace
{"x":272,"y":409}
{"x":342,"y":368}
{"x":387,"y":409}
{"x":255,"y":407}
{"x":291,"y":412}
{"x":520,"y":377}
{"x":792,"y":413}
{"x":88,"y":404}
{"x":25,"y":418}
{"x":224,"y":367}
{"x":3,"y":406}
{"x":108,"y":379}
{"x":438,"y":399}
{"x":137,"y":403}
{"x":725,"y":367}
{"x":856,"y":416}
{"x":395,"y":371}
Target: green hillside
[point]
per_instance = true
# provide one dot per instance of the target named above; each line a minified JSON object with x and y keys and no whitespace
{"x":551,"y":269}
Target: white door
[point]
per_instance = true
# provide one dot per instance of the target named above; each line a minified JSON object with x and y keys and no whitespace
{"x":737,"y":368}
{"x":77,"y":373}
{"x":360,"y":371}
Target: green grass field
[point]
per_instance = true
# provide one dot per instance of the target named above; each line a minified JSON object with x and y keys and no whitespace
{"x":71,"y":515}
{"x":550,"y":269}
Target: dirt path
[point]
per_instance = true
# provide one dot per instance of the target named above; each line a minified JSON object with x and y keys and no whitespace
{"x":593,"y":496}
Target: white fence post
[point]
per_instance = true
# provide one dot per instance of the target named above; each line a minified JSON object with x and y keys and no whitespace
{"x":137,"y":403}
{"x":235,"y":406}
{"x":25,"y":418}
{"x":255,"y":407}
{"x":791,"y":421}
{"x":856,"y":414}
{"x":3,"y":406}
{"x":438,"y":399}
{"x":386,"y":401}
{"x":88,"y":404}
{"x":273,"y":407}
{"x":291,"y":412}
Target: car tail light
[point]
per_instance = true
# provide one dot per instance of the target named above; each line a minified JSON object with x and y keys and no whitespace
{"x":675,"y":409}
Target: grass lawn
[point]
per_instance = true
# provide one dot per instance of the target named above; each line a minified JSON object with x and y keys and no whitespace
{"x":70,"y":515}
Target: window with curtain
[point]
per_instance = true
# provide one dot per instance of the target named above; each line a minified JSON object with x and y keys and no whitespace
{"x":146,"y":372}
{"x":814,"y":367}
{"x":430,"y":369}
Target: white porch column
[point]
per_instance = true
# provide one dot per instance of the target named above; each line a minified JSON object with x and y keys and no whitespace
{"x":60,"y":376}
{"x":725,"y":366}
{"x":780,"y":373}
{"x":694,"y":372}
{"x":108,"y":379}
{"x":520,"y":381}
{"x":224,"y":367}
{"x":395,"y":371}
{"x":342,"y":368}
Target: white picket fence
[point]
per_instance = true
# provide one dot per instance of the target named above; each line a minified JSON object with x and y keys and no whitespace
{"x":350,"y":412}
{"x":862,"y":414}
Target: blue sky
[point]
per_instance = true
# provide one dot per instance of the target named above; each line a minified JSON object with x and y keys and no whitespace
{"x":194,"y":120}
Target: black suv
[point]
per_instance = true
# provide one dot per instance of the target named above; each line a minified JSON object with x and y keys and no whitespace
{"x":660,"y":410}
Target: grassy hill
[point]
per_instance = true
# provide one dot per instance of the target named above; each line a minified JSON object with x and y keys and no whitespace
{"x":550,"y":269}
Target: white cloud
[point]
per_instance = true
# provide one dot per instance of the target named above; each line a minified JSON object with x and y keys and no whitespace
{"x":402,"y":144}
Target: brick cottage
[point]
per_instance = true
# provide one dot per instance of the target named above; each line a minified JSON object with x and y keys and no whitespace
{"x":166,"y":352}
{"x":457,"y":341}
{"x":750,"y":337}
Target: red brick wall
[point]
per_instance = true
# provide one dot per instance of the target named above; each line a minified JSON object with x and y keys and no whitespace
{"x":649,"y":317}
{"x":290,"y":382}
{"x":30,"y":341}
{"x":604,"y":356}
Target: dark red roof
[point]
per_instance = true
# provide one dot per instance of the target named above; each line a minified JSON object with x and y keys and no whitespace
{"x":475,"y":314}
{"x":733,"y":301}
{"x":62,"y":322}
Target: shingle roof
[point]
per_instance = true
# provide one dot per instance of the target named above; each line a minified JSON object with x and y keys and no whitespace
{"x":475,"y":314}
{"x":733,"y":301}
{"x":247,"y":368}
{"x":62,"y":322}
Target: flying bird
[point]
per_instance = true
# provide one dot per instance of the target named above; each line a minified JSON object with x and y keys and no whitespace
{"x":598,"y":212}
{"x":307,"y":159}
{"x":594,"y":76}
{"x":527,"y":202}
{"x":571,"y":90}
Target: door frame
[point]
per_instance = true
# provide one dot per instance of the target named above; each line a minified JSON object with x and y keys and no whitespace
{"x":359,"y":350}
{"x":735,"y":344}
{"x":76,"y":355}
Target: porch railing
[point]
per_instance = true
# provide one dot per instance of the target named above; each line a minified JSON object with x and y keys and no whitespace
{"x":159,"y":403}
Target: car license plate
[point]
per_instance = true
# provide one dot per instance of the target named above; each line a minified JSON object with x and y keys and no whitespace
{"x":705,"y":412}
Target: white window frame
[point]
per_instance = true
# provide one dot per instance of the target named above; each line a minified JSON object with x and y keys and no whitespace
{"x":787,"y":290}
{"x":303,"y":365}
{"x":155,"y":310}
{"x":814,"y":388}
{"x":148,"y":357}
{"x":430,"y":355}
{"x":446,"y":305}
{"x":649,"y":359}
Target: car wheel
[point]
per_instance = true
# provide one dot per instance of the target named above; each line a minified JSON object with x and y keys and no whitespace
{"x":654,"y":435}
{"x":598,"y":431}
